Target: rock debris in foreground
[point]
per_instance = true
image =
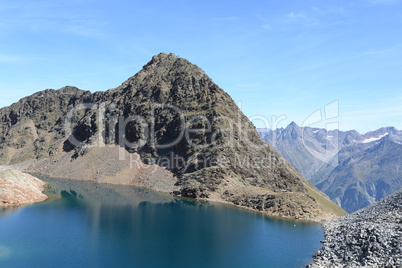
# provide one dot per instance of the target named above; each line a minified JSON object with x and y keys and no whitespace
{"x":370,"y":237}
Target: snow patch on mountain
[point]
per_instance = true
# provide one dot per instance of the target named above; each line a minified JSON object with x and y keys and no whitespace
{"x":373,"y":138}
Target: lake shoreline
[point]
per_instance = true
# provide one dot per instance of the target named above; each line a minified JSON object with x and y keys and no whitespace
{"x":25,"y":167}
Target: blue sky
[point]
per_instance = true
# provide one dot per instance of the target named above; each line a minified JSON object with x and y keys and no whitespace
{"x":276,"y":58}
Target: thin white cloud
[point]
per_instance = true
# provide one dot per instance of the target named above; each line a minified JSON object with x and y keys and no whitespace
{"x":10,"y":58}
{"x":298,"y":18}
{"x":317,"y":16}
{"x":385,"y":2}
{"x":85,"y":28}
{"x":296,"y":15}
{"x":302,"y":18}
{"x":381,"y":51}
{"x":372,"y":52}
{"x":329,"y":10}
{"x":226,"y":18}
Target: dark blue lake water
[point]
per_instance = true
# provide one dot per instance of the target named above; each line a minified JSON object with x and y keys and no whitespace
{"x":92,"y":225}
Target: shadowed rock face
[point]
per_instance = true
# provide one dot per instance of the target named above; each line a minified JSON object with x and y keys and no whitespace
{"x":359,"y":169}
{"x":173,"y":116}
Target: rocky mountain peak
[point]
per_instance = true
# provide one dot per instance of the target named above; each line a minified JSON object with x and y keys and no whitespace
{"x":170,"y":115}
{"x":167,"y":72}
{"x":69,"y":90}
{"x":293,"y":125}
{"x":163,"y":58}
{"x":292,"y":131}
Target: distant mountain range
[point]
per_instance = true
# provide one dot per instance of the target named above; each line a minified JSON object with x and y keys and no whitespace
{"x":353,"y":169}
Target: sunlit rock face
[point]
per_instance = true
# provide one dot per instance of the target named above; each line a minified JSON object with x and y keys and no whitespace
{"x":18,"y":188}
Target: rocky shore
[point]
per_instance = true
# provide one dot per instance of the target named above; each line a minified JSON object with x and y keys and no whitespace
{"x":370,"y":237}
{"x":18,"y":188}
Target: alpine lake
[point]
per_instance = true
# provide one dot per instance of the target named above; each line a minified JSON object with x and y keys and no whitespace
{"x":84,"y":224}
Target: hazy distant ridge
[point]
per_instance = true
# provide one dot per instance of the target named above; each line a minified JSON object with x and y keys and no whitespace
{"x":353,"y":169}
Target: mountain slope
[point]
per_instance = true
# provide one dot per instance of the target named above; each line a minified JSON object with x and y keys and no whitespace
{"x":171,"y":117}
{"x":353,"y":169}
{"x":367,"y":238}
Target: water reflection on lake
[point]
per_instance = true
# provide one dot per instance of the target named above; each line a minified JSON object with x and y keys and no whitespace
{"x":94,"y":225}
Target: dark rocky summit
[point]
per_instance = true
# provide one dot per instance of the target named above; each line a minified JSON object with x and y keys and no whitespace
{"x":169,"y":128}
{"x":370,"y":237}
{"x":353,"y":169}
